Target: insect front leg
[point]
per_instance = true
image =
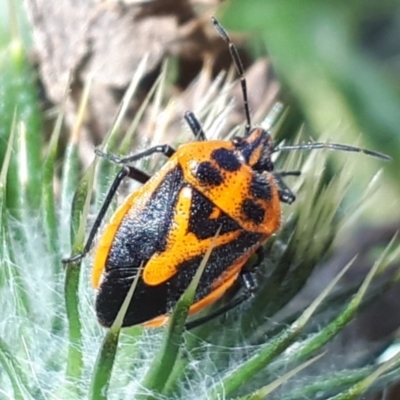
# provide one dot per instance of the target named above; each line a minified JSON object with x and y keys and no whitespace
{"x":285,"y":194}
{"x":195,"y":126}
{"x":125,"y":172}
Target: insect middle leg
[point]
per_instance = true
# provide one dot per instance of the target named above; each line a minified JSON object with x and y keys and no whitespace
{"x":245,"y":290}
{"x":248,"y":285}
{"x":165,"y":149}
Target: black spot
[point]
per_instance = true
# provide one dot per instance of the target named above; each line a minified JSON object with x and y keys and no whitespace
{"x":253,"y":211}
{"x":147,"y":302}
{"x":226,"y":159}
{"x":207,"y":174}
{"x":260,"y":187}
{"x":200,"y":222}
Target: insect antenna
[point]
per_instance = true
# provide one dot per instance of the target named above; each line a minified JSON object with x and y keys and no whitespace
{"x":331,"y":146}
{"x":239,"y":68}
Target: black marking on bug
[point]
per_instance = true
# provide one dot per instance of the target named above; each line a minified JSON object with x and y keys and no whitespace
{"x":144,"y":230}
{"x":253,"y":211}
{"x":149,"y":302}
{"x":222,"y":257}
{"x":208,"y":175}
{"x":260,"y":187}
{"x":226,"y":159}
{"x":200,"y":223}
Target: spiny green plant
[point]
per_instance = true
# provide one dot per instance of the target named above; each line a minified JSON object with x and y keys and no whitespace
{"x":51,"y":345}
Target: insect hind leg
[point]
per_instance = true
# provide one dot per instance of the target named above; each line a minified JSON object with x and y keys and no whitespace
{"x":125,"y":172}
{"x":247,"y":285}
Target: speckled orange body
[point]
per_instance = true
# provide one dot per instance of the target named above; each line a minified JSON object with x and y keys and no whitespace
{"x":210,"y":183}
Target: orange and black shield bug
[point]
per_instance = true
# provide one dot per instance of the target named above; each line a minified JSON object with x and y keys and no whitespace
{"x":170,"y":221}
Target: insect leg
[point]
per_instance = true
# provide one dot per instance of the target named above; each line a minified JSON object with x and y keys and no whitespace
{"x":287,"y":173}
{"x":285,"y":194}
{"x":125,"y":172}
{"x":195,"y":126}
{"x":248,"y":285}
{"x":260,"y":253}
{"x":165,"y":149}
